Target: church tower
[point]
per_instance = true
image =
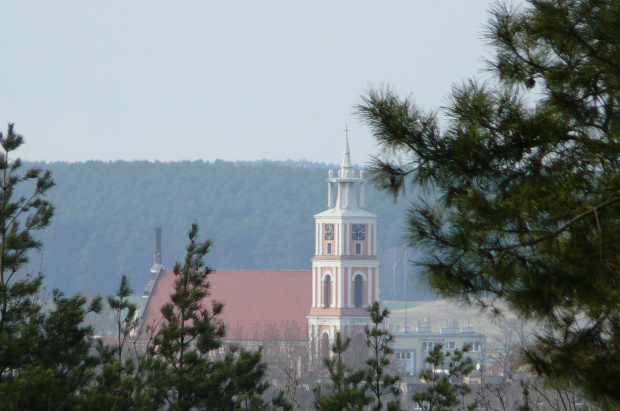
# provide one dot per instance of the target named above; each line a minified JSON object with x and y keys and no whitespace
{"x":345,"y":269}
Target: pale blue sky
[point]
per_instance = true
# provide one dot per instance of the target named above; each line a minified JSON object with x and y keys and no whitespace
{"x":234,"y":80}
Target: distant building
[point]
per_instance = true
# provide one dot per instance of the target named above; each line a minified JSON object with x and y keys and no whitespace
{"x":309,"y":307}
{"x":412,"y":347}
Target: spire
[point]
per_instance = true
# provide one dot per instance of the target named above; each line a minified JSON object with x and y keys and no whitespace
{"x":346,"y":169}
{"x":346,"y":179}
{"x":157,"y":247}
{"x":157,"y":266}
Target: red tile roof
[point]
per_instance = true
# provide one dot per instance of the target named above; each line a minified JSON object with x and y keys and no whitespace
{"x":258,"y":304}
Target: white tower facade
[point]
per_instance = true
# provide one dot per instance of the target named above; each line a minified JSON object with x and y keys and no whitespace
{"x":345,"y":269}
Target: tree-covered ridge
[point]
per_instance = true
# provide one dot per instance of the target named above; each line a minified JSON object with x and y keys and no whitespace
{"x":259,"y":214}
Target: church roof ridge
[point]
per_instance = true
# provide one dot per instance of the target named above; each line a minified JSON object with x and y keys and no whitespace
{"x":278,"y":270}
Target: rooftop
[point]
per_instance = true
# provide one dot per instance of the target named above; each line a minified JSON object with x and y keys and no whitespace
{"x":258,"y":304}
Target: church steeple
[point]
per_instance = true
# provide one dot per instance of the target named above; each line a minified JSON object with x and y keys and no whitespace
{"x":346,"y":182}
{"x":157,"y":266}
{"x":345,"y":268}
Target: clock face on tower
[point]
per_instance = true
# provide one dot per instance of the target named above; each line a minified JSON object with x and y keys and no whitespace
{"x":358,"y":232}
{"x":329,"y":231}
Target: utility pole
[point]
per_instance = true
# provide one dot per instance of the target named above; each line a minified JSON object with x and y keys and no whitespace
{"x":405,"y":280}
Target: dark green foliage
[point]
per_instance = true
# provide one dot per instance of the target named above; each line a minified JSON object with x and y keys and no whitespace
{"x":444,"y":385}
{"x":47,"y":358}
{"x":346,"y":391}
{"x":525,"y":180}
{"x":377,"y":380}
{"x":114,"y":385}
{"x":124,"y":314}
{"x":279,"y":402}
{"x":180,"y":371}
{"x":370,"y":386}
{"x":526,"y":398}
{"x":118,"y":379}
{"x":50,"y":361}
{"x":461,"y":366}
{"x":45,"y":349}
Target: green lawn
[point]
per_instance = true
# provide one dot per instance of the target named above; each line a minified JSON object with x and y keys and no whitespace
{"x":399,"y":305}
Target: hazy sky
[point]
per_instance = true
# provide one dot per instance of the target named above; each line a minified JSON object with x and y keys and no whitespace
{"x":231,"y":80}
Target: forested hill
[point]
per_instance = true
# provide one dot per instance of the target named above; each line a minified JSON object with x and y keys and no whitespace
{"x":259,"y":215}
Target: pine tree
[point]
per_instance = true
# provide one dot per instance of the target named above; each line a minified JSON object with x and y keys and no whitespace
{"x":380,"y":383}
{"x":180,"y":373}
{"x":45,"y":348}
{"x":443,"y":390}
{"x":124,"y":314}
{"x":346,"y":391}
{"x":371,"y":386}
{"x":119,"y":378}
{"x":523,"y":184}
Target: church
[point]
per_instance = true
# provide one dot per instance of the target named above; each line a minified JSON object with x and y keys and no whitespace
{"x":307,"y":307}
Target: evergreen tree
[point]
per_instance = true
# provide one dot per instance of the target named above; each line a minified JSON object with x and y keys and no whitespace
{"x":346,"y":391}
{"x":124,"y":314}
{"x":356,"y":389}
{"x":45,"y":349}
{"x":523,"y":184}
{"x":378,"y":340}
{"x":180,"y":371}
{"x":526,"y":398}
{"x":114,"y":385}
{"x":442,"y":392}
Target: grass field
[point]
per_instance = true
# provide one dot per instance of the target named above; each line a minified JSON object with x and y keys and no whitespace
{"x":401,"y":305}
{"x":438,"y":311}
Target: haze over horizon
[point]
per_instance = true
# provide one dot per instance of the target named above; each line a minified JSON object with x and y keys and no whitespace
{"x":245,"y":81}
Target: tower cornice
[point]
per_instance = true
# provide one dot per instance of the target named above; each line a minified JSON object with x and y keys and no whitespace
{"x":354,"y":259}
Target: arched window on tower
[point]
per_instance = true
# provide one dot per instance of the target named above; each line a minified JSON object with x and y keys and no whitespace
{"x":325,"y":347}
{"x":357,"y":291}
{"x":327,"y":292}
{"x":358,"y":350}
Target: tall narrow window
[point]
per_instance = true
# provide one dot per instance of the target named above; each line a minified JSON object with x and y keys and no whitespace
{"x":325,"y":346}
{"x":329,"y":248}
{"x":327,"y":291}
{"x":357,"y":291}
{"x":358,"y":248}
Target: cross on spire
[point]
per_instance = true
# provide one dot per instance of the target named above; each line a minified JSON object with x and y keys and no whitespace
{"x":346,"y":131}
